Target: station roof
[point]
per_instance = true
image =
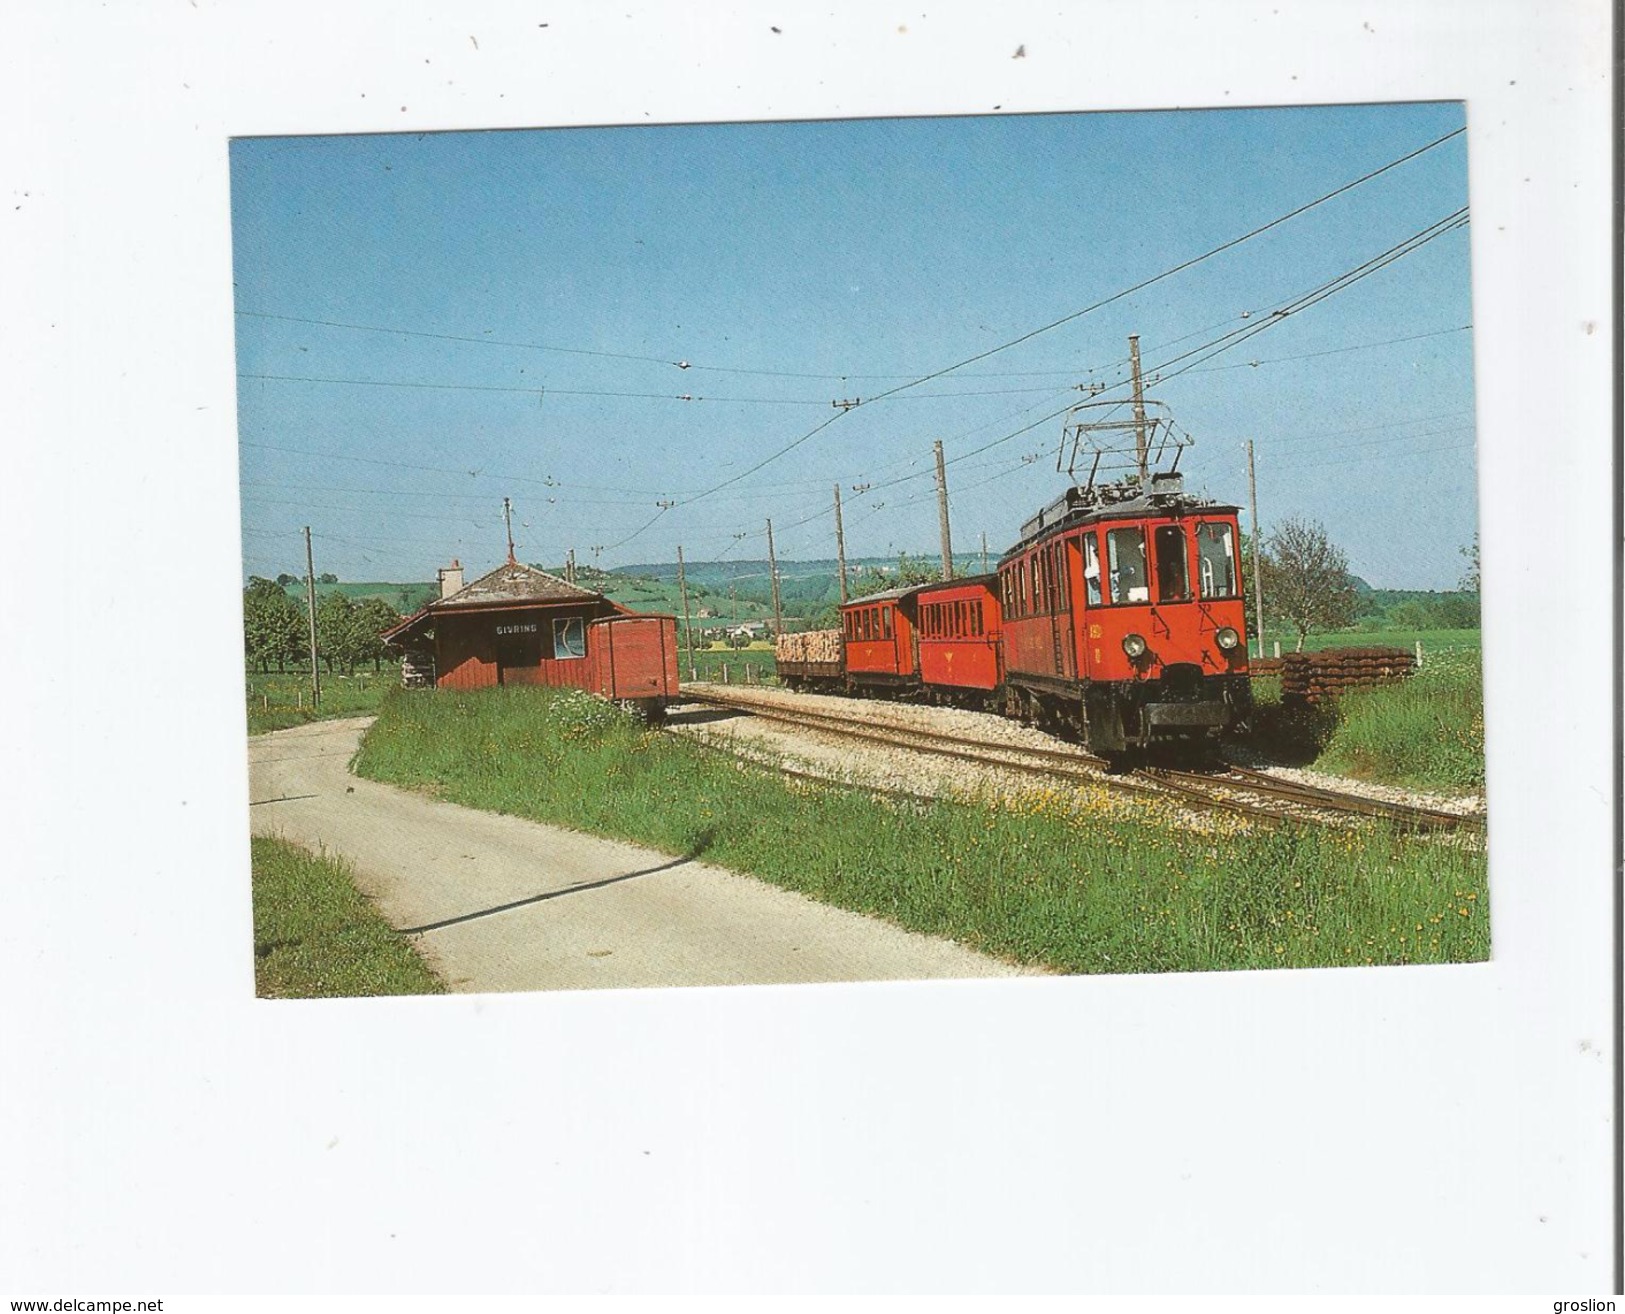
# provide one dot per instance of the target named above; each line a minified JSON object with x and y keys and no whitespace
{"x":512,"y":584}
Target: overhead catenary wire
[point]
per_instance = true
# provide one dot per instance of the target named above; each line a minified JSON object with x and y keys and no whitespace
{"x":1234,"y":338}
{"x":1093,"y":306}
{"x":1210,"y":349}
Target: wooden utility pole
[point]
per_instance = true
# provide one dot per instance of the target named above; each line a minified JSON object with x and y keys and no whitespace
{"x":840,"y":544}
{"x":984,"y":552}
{"x":570,"y":567}
{"x":1139,"y":405}
{"x":688,"y":625}
{"x":942,"y":512}
{"x":773,"y":573}
{"x":1258,"y":577}
{"x":310,"y":598}
{"x":507,"y":519}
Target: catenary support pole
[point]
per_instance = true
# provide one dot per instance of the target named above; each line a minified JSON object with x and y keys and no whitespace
{"x":688,"y":625}
{"x":310,"y":600}
{"x":942,"y":512}
{"x":773,"y":573}
{"x":840,"y":544}
{"x":1139,"y":406}
{"x":1258,"y":578}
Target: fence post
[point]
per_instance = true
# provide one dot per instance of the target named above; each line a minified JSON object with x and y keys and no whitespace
{"x":724,"y":672}
{"x":1419,"y":654}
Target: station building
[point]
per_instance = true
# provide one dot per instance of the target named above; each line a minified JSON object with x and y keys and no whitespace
{"x":521,"y":625}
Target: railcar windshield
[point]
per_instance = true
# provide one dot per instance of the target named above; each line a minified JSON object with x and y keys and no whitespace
{"x":1173,"y":571}
{"x":1216,"y":559}
{"x":1125,"y":554}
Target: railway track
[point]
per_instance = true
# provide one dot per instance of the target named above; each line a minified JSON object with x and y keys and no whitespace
{"x":1229,"y":788}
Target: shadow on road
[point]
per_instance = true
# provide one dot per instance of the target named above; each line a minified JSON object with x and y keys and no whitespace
{"x":699,"y":847}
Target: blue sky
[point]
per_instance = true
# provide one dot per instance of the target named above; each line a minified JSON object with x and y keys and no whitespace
{"x":793,"y":265}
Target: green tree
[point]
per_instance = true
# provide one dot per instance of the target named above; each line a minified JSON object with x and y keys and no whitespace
{"x":910,"y":571}
{"x":341,"y":638}
{"x":1472,"y":581}
{"x":1306,"y":579}
{"x":373,"y":617}
{"x":271,"y":624}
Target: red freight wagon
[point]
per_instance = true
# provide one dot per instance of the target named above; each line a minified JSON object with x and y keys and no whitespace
{"x":959,"y":625}
{"x":880,"y":640}
{"x":634,"y":658}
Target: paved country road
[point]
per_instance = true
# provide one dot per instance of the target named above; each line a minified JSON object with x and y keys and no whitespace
{"x":499,"y":903}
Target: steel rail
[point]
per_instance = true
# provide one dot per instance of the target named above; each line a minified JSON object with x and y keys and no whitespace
{"x":1208,"y":789}
{"x":1054,"y":764}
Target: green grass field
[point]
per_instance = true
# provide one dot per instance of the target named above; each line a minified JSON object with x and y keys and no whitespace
{"x":1427,"y":731}
{"x":317,"y":936}
{"x":753,"y":665}
{"x":1431,"y":640}
{"x":276,"y":702}
{"x":1064,"y":879}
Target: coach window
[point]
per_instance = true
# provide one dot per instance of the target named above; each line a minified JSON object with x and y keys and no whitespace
{"x":885,"y":622}
{"x":569,"y":638}
{"x":1173,"y":568}
{"x":1216,"y":559}
{"x":1125,"y":557}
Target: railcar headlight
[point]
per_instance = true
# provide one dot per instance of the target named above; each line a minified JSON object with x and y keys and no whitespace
{"x":1227,"y":638}
{"x":1134,"y":645}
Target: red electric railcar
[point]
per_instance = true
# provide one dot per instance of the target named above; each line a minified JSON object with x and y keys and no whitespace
{"x":1117,"y":618}
{"x":1123,"y":617}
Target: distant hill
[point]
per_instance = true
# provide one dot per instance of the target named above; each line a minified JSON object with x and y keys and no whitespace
{"x":733,"y":592}
{"x":805,"y":587}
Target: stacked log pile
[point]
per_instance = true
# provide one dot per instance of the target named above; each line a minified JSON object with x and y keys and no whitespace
{"x":1316,"y":676}
{"x":820,"y":646}
{"x":417,"y":669}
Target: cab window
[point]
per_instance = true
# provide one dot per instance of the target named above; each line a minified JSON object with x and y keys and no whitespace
{"x":1216,"y":560}
{"x":1091,"y":570}
{"x":1173,"y":570}
{"x":1125,"y":558}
